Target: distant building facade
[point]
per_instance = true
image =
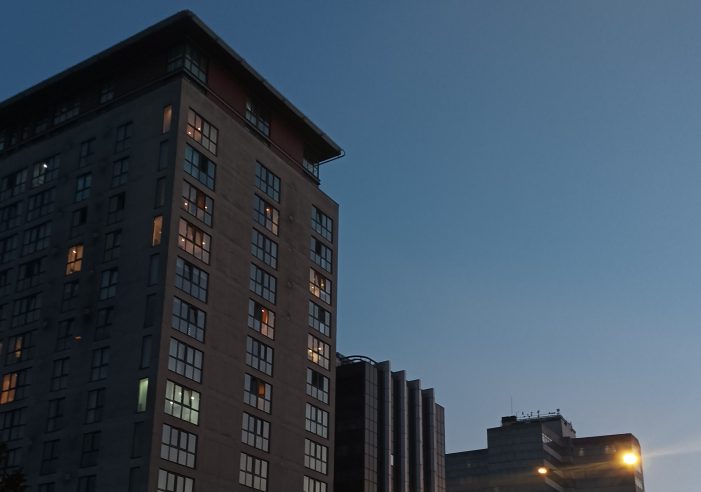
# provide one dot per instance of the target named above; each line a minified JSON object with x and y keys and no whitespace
{"x":389,"y":432}
{"x":543,"y":454}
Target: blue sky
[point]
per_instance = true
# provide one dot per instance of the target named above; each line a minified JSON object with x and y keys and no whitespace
{"x":520,"y":199}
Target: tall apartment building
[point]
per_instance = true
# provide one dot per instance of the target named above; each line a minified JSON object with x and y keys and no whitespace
{"x":167,"y":274}
{"x":390,"y":433}
{"x":542,"y":454}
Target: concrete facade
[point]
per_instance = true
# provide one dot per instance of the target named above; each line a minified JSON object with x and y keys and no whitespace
{"x":152,"y":364}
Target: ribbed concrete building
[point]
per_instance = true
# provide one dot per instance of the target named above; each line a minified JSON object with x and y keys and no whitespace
{"x":389,"y":431}
{"x":542,"y":454}
{"x":167,"y":275}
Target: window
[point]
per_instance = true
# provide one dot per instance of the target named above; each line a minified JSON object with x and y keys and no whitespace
{"x":259,"y":356}
{"x":36,"y":238}
{"x":197,"y":203}
{"x":199,"y":167}
{"x":30,"y":273}
{"x":319,"y":286}
{"x":188,"y":319}
{"x":39,"y":204}
{"x":258,"y":117}
{"x":253,"y":472}
{"x":317,"y":385}
{"x":45,"y":171}
{"x":319,"y":319}
{"x":264,"y":248}
{"x":26,"y":310}
{"x":146,"y":349}
{"x":87,"y":483}
{"x":54,"y":419}
{"x":257,"y":393}
{"x":20,"y":347}
{"x":14,"y":386}
{"x":185,"y":360}
{"x":66,"y":111}
{"x":100,"y":364}
{"x":78,"y":219}
{"x":82,"y":187}
{"x":106,"y":92}
{"x":261,"y":319}
{"x":187,"y":58}
{"x":120,"y":172}
{"x":47,"y":487}
{"x":182,"y":402}
{"x":96,"y":404}
{"x":163,"y":155}
{"x":69,"y":299}
{"x":113,"y":241}
{"x":49,"y":457}
{"x":267,"y":182}
{"x":191,"y":279}
{"x":202,"y":131}
{"x":318,"y":352}
{"x":8,"y":248}
{"x":178,"y":446}
{"x":312,"y":485}
{"x":74,"y":262}
{"x":108,"y":283}
{"x":59,"y":374}
{"x":154,"y":268}
{"x":13,"y":184}
{"x":105,"y":318}
{"x":64,"y":334}
{"x":194,"y":240}
{"x":321,"y":254}
{"x":160,"y":193}
{"x":5,"y":281}
{"x":317,"y":421}
{"x":315,"y":456}
{"x":311,"y":166}
{"x":142,"y":395}
{"x":87,"y":149}
{"x":262,"y":283}
{"x":123,"y":139}
{"x":172,"y":482}
{"x":91,"y":449}
{"x":265,"y":214}
{"x":115,"y":208}
{"x":167,"y":118}
{"x":322,"y":224}
{"x":255,"y":432}
{"x":11,"y":216}
{"x":157,"y":230}
{"x":12,"y":424}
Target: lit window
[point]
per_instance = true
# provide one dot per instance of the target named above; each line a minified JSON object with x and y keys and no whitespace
{"x":261,"y":319}
{"x":255,"y":432}
{"x":257,"y":393}
{"x":199,"y":167}
{"x":316,"y":421}
{"x":258,"y":117}
{"x":194,"y":240}
{"x":185,"y":360}
{"x":265,"y":214}
{"x":202,"y":131}
{"x":321,"y":254}
{"x":253,"y":472}
{"x":142,"y":395}
{"x":123,"y":138}
{"x":182,"y":402}
{"x":20,"y":347}
{"x":13,"y":386}
{"x":74,"y":261}
{"x":318,"y":351}
{"x":259,"y":356}
{"x":197,"y":203}
{"x":264,"y":248}
{"x":45,"y":171}
{"x":178,"y":446}
{"x":267,"y":182}
{"x":188,"y":319}
{"x":262,"y":283}
{"x":322,"y":224}
{"x":319,"y":286}
{"x":157,"y":230}
{"x":315,"y":456}
{"x":167,"y":118}
{"x":317,"y":385}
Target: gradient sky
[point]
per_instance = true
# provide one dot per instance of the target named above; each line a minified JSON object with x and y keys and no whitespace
{"x":520,"y":200}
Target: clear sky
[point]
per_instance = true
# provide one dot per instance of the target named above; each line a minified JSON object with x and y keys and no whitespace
{"x":520,"y":200}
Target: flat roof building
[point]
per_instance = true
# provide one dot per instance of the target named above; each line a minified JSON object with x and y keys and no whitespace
{"x":542,"y":454}
{"x":167,"y":275}
{"x":390,"y":433}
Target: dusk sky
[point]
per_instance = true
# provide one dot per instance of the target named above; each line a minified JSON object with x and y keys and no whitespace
{"x":520,"y":196}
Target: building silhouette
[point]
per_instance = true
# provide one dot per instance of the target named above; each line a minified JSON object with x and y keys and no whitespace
{"x":542,"y":453}
{"x":167,"y":275}
{"x":389,"y":432}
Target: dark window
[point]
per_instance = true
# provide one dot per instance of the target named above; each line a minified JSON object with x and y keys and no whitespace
{"x":178,"y":446}
{"x":8,"y":248}
{"x":108,"y":283}
{"x":199,"y":167}
{"x":83,"y":184}
{"x":87,"y":149}
{"x":113,"y":241}
{"x":36,"y":238}
{"x":313,"y":485}
{"x":30,"y":274}
{"x":187,"y":58}
{"x":12,"y":424}
{"x":66,"y":111}
{"x":90,"y":449}
{"x":59,"y":374}
{"x":11,"y":215}
{"x":316,"y":421}
{"x":259,"y":356}
{"x":317,"y":385}
{"x":172,"y":482}
{"x":64,"y":334}
{"x":321,"y":254}
{"x":319,"y":319}
{"x":96,"y":404}
{"x":115,"y":208}
{"x":188,"y":319}
{"x":26,"y":310}
{"x":191,"y":279}
{"x":13,"y":184}
{"x":106,"y":92}
{"x":322,"y":224}
{"x":264,"y":248}
{"x":49,"y":457}
{"x":265,"y":214}
{"x":253,"y":472}
{"x":69,"y":299}
{"x":87,"y":484}
{"x":100,"y":364}
{"x":105,"y":319}
{"x":315,"y":456}
{"x":267,"y":182}
{"x":123,"y":139}
{"x":185,"y":360}
{"x":120,"y":172}
{"x":262,"y":283}
{"x":41,"y":204}
{"x":255,"y":432}
{"x":54,"y":419}
{"x":258,"y":117}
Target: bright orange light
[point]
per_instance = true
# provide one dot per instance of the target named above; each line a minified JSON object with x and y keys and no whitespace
{"x":542,"y":470}
{"x":630,"y":458}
